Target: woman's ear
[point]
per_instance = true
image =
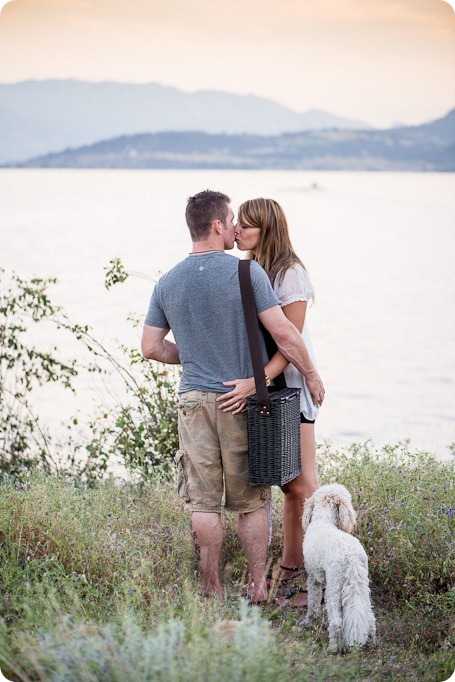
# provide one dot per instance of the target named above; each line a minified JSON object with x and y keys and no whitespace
{"x":307,"y":512}
{"x":347,"y":516}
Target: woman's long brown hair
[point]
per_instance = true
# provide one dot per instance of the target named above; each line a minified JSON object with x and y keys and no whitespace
{"x":274,"y":250}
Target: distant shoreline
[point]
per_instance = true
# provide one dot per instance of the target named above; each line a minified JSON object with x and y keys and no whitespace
{"x":266,"y":170}
{"x":426,"y":148}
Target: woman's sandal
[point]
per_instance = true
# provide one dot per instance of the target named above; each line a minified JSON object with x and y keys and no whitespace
{"x":292,"y":597}
{"x":252,"y":602}
{"x":278,"y":583}
{"x":275,"y":583}
{"x":297,"y":570}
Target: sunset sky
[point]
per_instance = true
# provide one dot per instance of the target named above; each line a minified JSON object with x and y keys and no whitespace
{"x":377,"y":60}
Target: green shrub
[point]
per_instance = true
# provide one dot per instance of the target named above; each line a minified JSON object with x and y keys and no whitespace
{"x":24,"y":441}
{"x":140,"y":431}
{"x":405,"y":515}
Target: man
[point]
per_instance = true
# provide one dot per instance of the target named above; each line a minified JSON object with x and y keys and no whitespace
{"x":200,"y":301}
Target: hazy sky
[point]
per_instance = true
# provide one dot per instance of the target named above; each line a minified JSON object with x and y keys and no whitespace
{"x":383,"y":61}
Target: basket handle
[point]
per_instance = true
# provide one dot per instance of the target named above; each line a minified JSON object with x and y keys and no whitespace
{"x":252,"y":328}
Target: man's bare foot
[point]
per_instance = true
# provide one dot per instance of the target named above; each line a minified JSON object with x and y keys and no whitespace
{"x":209,"y":591}
{"x":258,"y":595}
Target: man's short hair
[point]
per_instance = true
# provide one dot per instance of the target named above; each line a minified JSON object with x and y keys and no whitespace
{"x":202,"y":210}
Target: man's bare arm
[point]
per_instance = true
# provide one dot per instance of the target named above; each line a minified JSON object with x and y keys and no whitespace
{"x":291,"y":345}
{"x":155,"y":346}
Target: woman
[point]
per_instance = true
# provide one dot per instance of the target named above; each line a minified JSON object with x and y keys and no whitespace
{"x":262,"y":230}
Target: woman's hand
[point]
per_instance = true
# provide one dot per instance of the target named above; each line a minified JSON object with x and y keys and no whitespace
{"x":235,"y":400}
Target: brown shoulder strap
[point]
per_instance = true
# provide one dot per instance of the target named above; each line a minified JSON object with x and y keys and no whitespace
{"x":252,"y":327}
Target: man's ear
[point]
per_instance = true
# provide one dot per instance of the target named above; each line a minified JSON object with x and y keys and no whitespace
{"x":216,"y":227}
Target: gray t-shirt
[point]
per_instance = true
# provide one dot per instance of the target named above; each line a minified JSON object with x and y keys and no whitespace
{"x":200,"y":301}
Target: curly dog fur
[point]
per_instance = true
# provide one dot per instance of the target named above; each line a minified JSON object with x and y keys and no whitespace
{"x":337,"y":558}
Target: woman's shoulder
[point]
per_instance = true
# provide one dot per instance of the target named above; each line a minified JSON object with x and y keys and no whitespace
{"x":295,"y":274}
{"x":295,"y":282}
{"x":296,"y":269}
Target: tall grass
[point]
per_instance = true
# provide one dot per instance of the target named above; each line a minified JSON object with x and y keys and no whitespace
{"x":101,"y":583}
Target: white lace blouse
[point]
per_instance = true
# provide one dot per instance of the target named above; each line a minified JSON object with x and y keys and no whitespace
{"x":296,"y":286}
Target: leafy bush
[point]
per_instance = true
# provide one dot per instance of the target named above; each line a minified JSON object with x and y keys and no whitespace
{"x":24,"y":442}
{"x":405,"y":515}
{"x":141,"y":432}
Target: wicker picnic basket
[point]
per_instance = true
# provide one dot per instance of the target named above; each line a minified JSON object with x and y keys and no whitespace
{"x":273,"y":418}
{"x":274,"y":439}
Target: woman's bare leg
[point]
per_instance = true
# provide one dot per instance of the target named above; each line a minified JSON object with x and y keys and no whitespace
{"x":295,"y":494}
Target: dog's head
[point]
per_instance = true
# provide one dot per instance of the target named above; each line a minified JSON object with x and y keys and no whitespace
{"x":334,"y":498}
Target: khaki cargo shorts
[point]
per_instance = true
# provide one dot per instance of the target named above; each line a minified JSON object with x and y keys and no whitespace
{"x":213,"y":457}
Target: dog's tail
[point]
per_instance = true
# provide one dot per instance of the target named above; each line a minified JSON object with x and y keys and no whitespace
{"x":358,"y":619}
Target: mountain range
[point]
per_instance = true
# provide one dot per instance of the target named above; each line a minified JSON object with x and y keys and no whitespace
{"x":429,"y":147}
{"x":38,"y":117}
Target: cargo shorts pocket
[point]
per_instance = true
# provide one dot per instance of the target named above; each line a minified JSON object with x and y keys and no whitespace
{"x":189,"y":405}
{"x":182,"y":476}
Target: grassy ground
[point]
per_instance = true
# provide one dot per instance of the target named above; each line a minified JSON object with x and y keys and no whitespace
{"x":101,"y":584}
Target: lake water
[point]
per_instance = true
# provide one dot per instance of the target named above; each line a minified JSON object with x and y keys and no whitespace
{"x":379,"y":248}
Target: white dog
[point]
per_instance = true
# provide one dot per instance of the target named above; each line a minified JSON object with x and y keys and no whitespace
{"x":333,"y":556}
